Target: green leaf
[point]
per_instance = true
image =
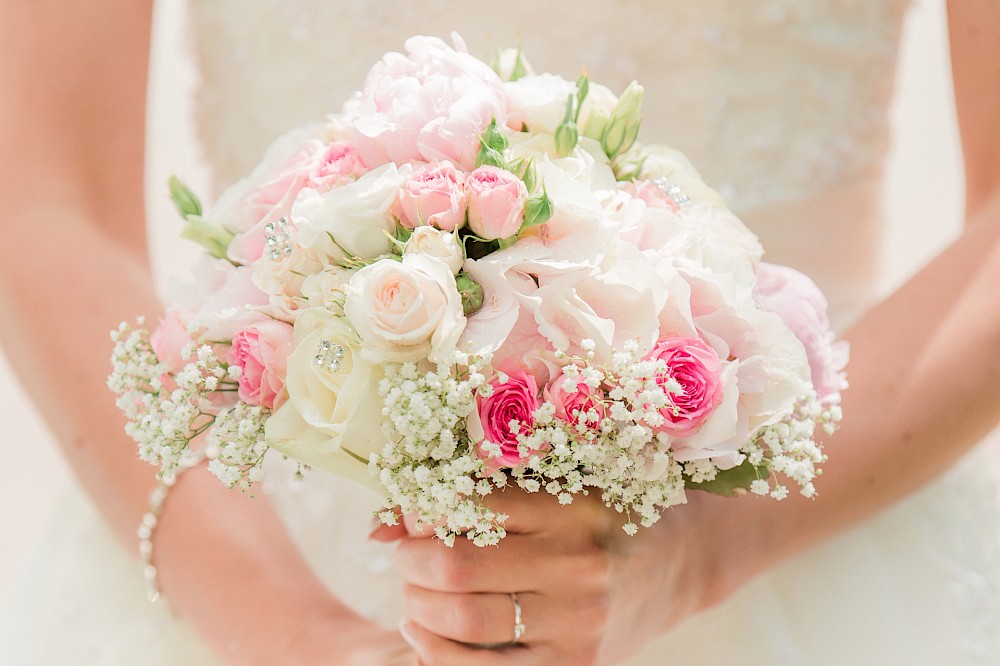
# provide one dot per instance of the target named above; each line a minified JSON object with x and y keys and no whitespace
{"x":184,"y":199}
{"x":728,"y":482}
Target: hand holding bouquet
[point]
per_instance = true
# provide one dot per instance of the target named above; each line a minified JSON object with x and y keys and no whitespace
{"x":473,"y":277}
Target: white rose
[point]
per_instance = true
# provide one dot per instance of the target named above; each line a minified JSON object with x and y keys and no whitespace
{"x":325,"y":287}
{"x":356,"y":215}
{"x":406,"y":310}
{"x":284,"y":276}
{"x":435,"y":243}
{"x":332,"y":418}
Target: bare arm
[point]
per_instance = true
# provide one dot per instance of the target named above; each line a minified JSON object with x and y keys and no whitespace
{"x":73,"y":76}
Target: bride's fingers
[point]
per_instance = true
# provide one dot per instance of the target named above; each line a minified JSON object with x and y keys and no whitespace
{"x":434,"y":650}
{"x":519,"y":563}
{"x":530,"y":513}
{"x":479,"y":618}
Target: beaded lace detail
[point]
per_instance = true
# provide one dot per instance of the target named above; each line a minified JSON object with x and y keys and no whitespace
{"x":773,"y":99}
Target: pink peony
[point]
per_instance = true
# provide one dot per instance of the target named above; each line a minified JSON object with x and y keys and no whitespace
{"x":261,"y":352}
{"x":431,"y":104}
{"x":570,"y":404}
{"x":434,"y":196}
{"x":799,"y":302}
{"x":698,"y":370}
{"x":496,"y":202}
{"x":335,"y":165}
{"x":515,"y":399}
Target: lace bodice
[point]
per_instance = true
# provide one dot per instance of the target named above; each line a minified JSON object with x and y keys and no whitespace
{"x":772,"y":100}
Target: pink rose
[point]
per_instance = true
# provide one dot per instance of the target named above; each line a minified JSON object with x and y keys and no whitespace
{"x":335,"y":165}
{"x":431,"y":104}
{"x":698,"y":370}
{"x":434,"y":196}
{"x":581,"y":399}
{"x":799,"y":302}
{"x":496,"y":202}
{"x":515,"y":399}
{"x":261,"y":352}
{"x":168,"y":341}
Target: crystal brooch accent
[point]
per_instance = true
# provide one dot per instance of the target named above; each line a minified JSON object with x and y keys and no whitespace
{"x":675,"y":193}
{"x":278,"y":239}
{"x":329,"y":356}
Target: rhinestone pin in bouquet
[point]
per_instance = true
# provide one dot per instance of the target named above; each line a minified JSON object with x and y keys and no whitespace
{"x":473,"y":277}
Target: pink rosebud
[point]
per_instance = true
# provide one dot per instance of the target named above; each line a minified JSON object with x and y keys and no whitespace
{"x":581,"y":399}
{"x":337,"y":164}
{"x":697,"y":368}
{"x":799,"y":302}
{"x":434,"y":196}
{"x":168,"y":341}
{"x":496,"y":202}
{"x":513,"y":400}
{"x":261,"y":352}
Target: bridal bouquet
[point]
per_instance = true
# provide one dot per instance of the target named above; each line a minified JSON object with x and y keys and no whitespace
{"x":473,"y":277}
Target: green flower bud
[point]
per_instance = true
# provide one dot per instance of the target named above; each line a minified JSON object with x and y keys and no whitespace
{"x":566,"y":134}
{"x":623,"y":127}
{"x":471,"y":293}
{"x":184,"y":199}
{"x":582,"y":88}
{"x":492,"y":143}
{"x":213,"y":237}
{"x":537,"y":210}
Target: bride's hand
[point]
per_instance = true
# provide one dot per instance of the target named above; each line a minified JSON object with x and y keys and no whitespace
{"x":589,"y":594}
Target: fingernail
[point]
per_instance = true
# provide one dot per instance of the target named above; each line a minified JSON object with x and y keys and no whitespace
{"x":406,"y":631}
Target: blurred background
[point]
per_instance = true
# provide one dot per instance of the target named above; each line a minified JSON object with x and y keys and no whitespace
{"x":923,"y":201}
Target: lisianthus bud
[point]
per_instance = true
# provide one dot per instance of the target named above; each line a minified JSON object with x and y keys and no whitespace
{"x":623,"y":127}
{"x":537,"y":210}
{"x":566,"y":134}
{"x":184,"y":199}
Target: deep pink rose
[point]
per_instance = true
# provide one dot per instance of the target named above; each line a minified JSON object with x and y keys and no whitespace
{"x":261,"y":352}
{"x":169,"y":338}
{"x":337,"y":164}
{"x":570,"y":404}
{"x":515,"y":399}
{"x":431,"y":104}
{"x":433,"y":196}
{"x":697,"y":369}
{"x":799,"y":302}
{"x":496,"y":202}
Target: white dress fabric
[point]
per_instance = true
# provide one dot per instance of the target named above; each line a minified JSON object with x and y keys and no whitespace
{"x":782,"y":106}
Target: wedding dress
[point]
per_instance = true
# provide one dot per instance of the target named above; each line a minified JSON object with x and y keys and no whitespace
{"x":782,"y":106}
